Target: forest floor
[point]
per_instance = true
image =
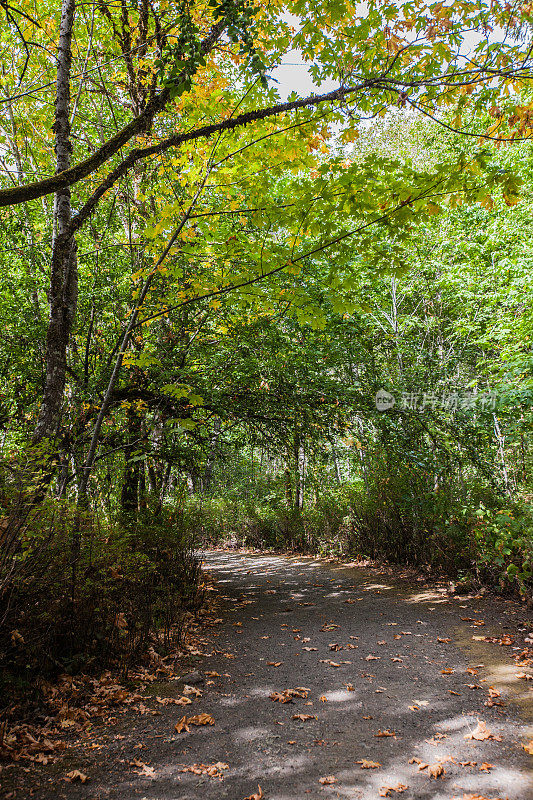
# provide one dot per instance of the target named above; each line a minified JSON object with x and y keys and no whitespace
{"x":400,"y":689}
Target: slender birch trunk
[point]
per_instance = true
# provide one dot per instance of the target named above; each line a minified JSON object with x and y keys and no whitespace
{"x":64,"y":267}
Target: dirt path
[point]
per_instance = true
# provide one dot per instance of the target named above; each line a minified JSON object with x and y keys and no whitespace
{"x":374,"y":655}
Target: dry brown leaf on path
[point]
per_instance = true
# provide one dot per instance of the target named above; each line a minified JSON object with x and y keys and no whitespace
{"x":167,"y":701}
{"x":381,"y":734}
{"x":436,"y":770}
{"x":274,"y":663}
{"x":304,"y":717}
{"x":76,"y":775}
{"x":213,"y":770}
{"x":144,"y":770}
{"x":386,"y":791}
{"x":287,"y":695}
{"x":197,"y":719}
{"x":256,"y":795}
{"x":367,"y":764}
{"x":478,"y":797}
{"x":481,"y":732}
{"x":529,"y":747}
{"x":194,"y":690}
{"x":485,"y":767}
{"x":327,"y":780}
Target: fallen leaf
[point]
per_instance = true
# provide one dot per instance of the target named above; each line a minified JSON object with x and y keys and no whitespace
{"x":304,"y":717}
{"x":145,"y":771}
{"x":327,"y":780}
{"x":479,"y":797}
{"x":481,"y":732}
{"x":323,"y":698}
{"x":436,"y":770}
{"x":197,"y":719}
{"x":213,"y":770}
{"x":486,"y":767}
{"x":274,"y":663}
{"x":76,"y":775}
{"x":366,"y":764}
{"x":381,"y":734}
{"x":529,"y":747}
{"x":288,"y":695}
{"x":447,"y":671}
{"x":385,"y":791}
{"x":257,"y":795}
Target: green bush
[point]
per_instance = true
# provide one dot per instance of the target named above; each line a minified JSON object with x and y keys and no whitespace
{"x":66,"y":606}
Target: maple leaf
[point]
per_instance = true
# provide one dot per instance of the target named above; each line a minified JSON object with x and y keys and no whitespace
{"x":479,"y":797}
{"x":436,"y":770}
{"x":385,"y":791}
{"x":485,"y":767}
{"x":197,"y":719}
{"x":213,"y":770}
{"x":256,"y":795}
{"x":194,"y":690}
{"x":381,"y":734}
{"x":76,"y":775}
{"x":327,"y":780}
{"x":366,"y":764}
{"x":304,"y":717}
{"x":144,"y":770}
{"x":183,"y":701}
{"x":481,"y":732}
{"x":182,"y":725}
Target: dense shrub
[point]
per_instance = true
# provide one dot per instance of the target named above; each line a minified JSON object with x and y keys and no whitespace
{"x":394,"y":517}
{"x":77,"y":594}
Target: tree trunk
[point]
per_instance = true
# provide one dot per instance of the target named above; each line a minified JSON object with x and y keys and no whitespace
{"x":64,"y":268}
{"x":129,"y":497}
